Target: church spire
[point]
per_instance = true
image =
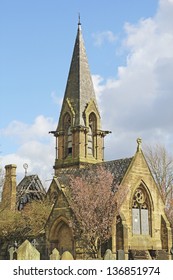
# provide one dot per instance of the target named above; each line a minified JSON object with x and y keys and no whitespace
{"x":79,"y":89}
{"x":79,"y":135}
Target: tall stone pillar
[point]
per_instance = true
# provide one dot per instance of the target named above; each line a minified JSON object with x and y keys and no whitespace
{"x":9,"y":188}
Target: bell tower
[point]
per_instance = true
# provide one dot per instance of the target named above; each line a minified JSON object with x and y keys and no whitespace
{"x":79,"y":137}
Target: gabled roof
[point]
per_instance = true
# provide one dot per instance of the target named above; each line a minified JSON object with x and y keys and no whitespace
{"x":118,"y":169}
{"x":30,"y":188}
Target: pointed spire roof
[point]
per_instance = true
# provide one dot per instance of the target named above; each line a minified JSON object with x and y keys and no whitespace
{"x":79,"y":89}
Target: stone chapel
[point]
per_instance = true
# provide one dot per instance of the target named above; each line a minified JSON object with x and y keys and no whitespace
{"x":144,"y":227}
{"x":144,"y":230}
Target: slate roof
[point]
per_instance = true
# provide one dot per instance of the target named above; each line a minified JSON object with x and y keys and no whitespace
{"x":30,"y":188}
{"x":118,"y":169}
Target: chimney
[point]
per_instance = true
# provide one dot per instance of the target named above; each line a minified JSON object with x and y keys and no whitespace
{"x":9,"y":188}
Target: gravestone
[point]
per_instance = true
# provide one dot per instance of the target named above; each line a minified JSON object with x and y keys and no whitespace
{"x":27,"y":251}
{"x":67,"y":256}
{"x":120,"y":255}
{"x":108,"y":255}
{"x":11,"y":252}
{"x":55,"y":255}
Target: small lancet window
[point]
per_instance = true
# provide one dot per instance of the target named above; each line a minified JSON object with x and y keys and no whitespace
{"x":91,"y":132}
{"x":68,"y":135}
{"x":93,"y":122}
{"x":140,"y":212}
{"x":90,"y":141}
{"x":69,"y":140}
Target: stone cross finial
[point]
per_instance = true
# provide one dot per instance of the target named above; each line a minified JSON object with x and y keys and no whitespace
{"x":139,"y":142}
{"x":25,"y":166}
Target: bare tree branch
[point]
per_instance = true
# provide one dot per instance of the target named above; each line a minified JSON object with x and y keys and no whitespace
{"x":161,"y":166}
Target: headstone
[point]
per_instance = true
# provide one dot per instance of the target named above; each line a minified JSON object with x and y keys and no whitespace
{"x":120,"y":255}
{"x":11,"y":252}
{"x":55,"y":255}
{"x":67,"y":256}
{"x":108,"y":255}
{"x":27,"y":251}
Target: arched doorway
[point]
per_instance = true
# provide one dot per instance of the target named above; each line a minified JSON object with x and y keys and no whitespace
{"x":61,"y":237}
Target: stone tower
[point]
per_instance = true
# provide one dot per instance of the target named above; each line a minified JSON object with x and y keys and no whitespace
{"x":79,"y":137}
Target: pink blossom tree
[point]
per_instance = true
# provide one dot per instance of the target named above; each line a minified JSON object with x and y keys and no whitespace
{"x":95,"y":201}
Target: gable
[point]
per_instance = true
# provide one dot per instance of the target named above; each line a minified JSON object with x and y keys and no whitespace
{"x":139,"y":168}
{"x":53,"y":190}
{"x":30,"y":188}
{"x":57,"y":196}
{"x":91,"y":107}
{"x":139,"y":175}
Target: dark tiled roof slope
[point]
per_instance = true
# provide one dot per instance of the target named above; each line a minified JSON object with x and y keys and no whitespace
{"x":118,"y":169}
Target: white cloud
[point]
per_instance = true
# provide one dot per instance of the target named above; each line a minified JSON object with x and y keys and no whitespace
{"x":101,"y":37}
{"x":99,"y":86}
{"x":25,"y":132}
{"x":139,"y":102}
{"x":35,"y":147}
{"x":56,"y":99}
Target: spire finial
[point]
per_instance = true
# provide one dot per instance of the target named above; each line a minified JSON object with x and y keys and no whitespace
{"x":139,"y":142}
{"x":79,"y":22}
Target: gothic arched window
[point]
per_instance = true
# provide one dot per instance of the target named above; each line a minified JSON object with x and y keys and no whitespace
{"x":90,"y":141}
{"x":140,"y":212}
{"x":68,"y":135}
{"x":69,"y":140}
{"x":91,"y":132}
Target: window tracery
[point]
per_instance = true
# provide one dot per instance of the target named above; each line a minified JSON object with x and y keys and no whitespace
{"x":140,"y":212}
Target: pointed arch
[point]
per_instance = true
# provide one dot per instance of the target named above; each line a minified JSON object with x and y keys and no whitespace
{"x":61,"y":236}
{"x":141,"y":207}
{"x":92,"y":108}
{"x":143,"y":185}
{"x":91,"y":132}
{"x":93,"y":122}
{"x":67,"y":123}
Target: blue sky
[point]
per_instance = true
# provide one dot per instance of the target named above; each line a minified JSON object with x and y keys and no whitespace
{"x":37,"y":39}
{"x":129,"y":48}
